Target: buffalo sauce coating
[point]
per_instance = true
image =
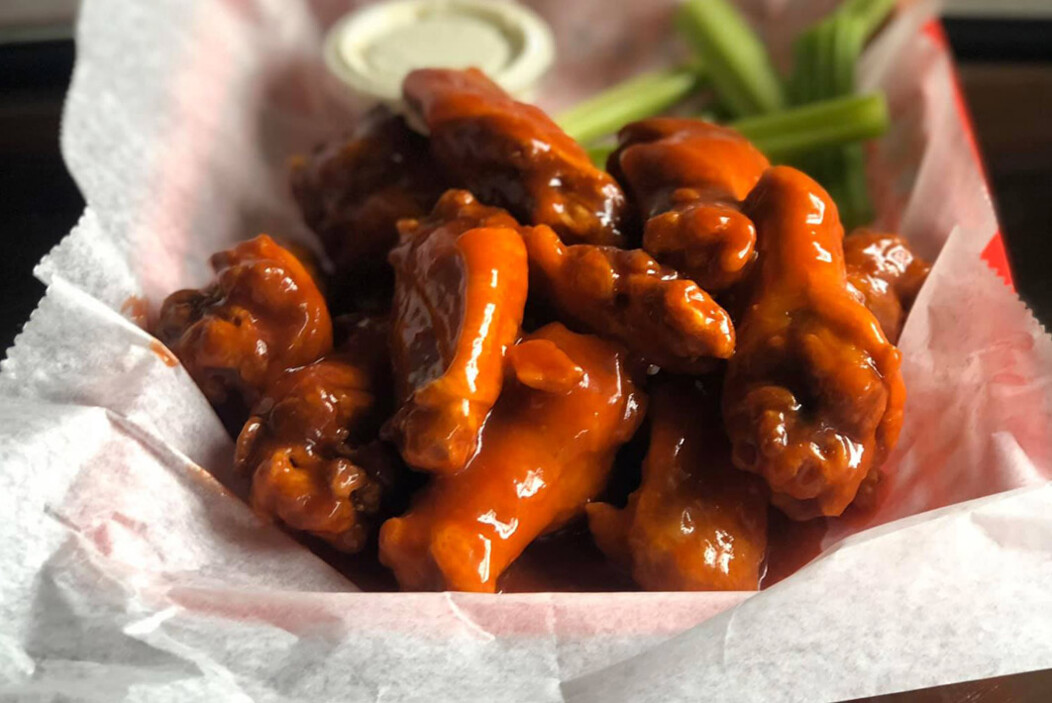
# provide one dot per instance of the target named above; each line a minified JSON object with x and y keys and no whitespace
{"x":688,"y":178}
{"x":353,"y":191}
{"x":513,"y":155}
{"x":460,"y":289}
{"x":136,"y":309}
{"x":545,"y":452}
{"x":626,"y":295}
{"x":263,"y":314}
{"x":813,"y":395}
{"x":695,"y":523}
{"x":310,"y":447}
{"x":886,"y":274}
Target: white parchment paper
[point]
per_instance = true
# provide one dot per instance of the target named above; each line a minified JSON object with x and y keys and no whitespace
{"x":128,"y":574}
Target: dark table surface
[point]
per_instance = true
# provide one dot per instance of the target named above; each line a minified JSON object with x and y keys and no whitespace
{"x":1006,"y":73}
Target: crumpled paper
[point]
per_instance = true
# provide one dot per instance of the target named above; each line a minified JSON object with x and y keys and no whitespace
{"x":127,"y":573}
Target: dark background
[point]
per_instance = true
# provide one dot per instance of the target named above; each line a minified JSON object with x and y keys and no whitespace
{"x":1005,"y":70}
{"x":38,"y":201}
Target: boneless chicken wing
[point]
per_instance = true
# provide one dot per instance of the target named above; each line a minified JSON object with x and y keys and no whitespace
{"x":695,"y":523}
{"x":513,"y":155}
{"x":353,"y":191}
{"x":688,"y":178}
{"x":460,"y":289}
{"x":310,"y":446}
{"x":546,"y":450}
{"x":886,"y":274}
{"x":263,"y":314}
{"x":813,"y":395}
{"x":626,"y":295}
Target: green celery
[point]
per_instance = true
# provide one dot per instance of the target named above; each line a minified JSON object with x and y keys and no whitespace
{"x":798,"y":132}
{"x":784,"y":135}
{"x":735,"y":59}
{"x":848,"y":47}
{"x":826,"y":60}
{"x":800,"y":85}
{"x":631,"y":100}
{"x":868,"y":14}
{"x":854,"y":204}
{"x":599,"y":154}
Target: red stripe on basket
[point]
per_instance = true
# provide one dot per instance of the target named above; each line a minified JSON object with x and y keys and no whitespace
{"x":995,"y":255}
{"x":996,"y":258}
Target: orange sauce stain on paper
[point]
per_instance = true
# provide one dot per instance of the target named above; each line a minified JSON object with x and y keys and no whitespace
{"x":162,"y":351}
{"x":137,"y":310}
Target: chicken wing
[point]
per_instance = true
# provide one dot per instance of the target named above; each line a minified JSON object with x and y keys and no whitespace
{"x":813,"y":396}
{"x":513,"y":155}
{"x":626,"y":295}
{"x":695,"y":523}
{"x":546,"y":450}
{"x":263,"y":314}
{"x":460,"y":289}
{"x":687,"y":178}
{"x":310,"y":445}
{"x":886,"y":274}
{"x":353,"y":191}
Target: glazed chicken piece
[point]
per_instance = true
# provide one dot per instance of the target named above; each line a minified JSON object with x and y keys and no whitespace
{"x":886,"y":274}
{"x":695,"y":523}
{"x":263,"y":314}
{"x":688,"y":178}
{"x":546,"y":450}
{"x":310,"y":446}
{"x":626,"y":295}
{"x":513,"y":155}
{"x":813,"y":396}
{"x":460,"y":289}
{"x":310,"y":259}
{"x":353,"y":191}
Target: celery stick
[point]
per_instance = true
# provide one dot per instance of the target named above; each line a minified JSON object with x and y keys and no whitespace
{"x":783,"y":135}
{"x":805,"y":63}
{"x":608,"y":96}
{"x":868,"y":14}
{"x":827,"y":53}
{"x":803,"y":130}
{"x":599,"y":154}
{"x":626,"y":89}
{"x":634,"y":99}
{"x":848,"y":41}
{"x":843,"y":174}
{"x":854,"y":203}
{"x":735,"y":59}
{"x":826,"y":60}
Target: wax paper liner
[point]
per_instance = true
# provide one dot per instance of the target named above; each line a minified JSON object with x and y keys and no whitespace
{"x":128,"y":573}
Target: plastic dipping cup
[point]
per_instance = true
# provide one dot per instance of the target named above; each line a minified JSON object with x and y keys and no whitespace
{"x":372,"y":49}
